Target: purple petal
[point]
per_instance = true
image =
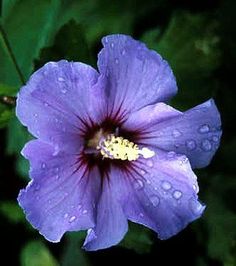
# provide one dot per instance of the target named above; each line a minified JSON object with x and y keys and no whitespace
{"x":62,"y":194}
{"x":55,"y":100}
{"x":161,"y":194}
{"x":195,"y":133}
{"x":111,"y":225}
{"x":136,"y":75}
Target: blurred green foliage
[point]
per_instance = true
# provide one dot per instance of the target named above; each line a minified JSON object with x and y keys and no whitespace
{"x":199,"y":44}
{"x":35,"y":253}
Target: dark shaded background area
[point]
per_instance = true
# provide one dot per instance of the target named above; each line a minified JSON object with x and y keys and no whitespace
{"x":198,"y":40}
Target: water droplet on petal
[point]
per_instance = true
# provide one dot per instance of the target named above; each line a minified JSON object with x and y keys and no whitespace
{"x":166,"y":185}
{"x":206,"y":145}
{"x":190,"y":144}
{"x":176,"y":133}
{"x":123,"y":52}
{"x":112,"y":45}
{"x":171,"y":154}
{"x":61,"y":79}
{"x":215,"y":138}
{"x":35,"y":115}
{"x":177,"y":194}
{"x":141,"y":214}
{"x":204,"y":129}
{"x":195,"y":206}
{"x":72,"y":218}
{"x":79,"y":206}
{"x":46,"y":104}
{"x":148,"y":181}
{"x":66,"y":215}
{"x":37,"y":187}
{"x":138,"y":184}
{"x":43,"y":165}
{"x":142,"y":172}
{"x":150,"y":163}
{"x":84,"y":211}
{"x":57,"y":177}
{"x":64,"y":90}
{"x":154,"y":200}
{"x":116,"y":60}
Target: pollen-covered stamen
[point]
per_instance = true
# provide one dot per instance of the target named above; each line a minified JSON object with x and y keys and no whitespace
{"x":119,"y":148}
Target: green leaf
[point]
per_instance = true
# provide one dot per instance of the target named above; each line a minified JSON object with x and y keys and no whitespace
{"x":219,"y":219}
{"x":12,"y":211}
{"x":73,"y":253}
{"x":70,"y":43}
{"x":138,"y":239}
{"x":7,"y":90}
{"x":5,"y":115}
{"x":34,"y":23}
{"x":35,"y":253}
{"x":191,"y":46}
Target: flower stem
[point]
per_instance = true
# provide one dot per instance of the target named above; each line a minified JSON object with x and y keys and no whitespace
{"x":13,"y":58}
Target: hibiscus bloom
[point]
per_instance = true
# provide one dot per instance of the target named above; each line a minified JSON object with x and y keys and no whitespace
{"x":108,"y":149}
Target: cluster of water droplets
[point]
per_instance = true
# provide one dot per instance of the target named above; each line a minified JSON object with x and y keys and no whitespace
{"x":207,"y":143}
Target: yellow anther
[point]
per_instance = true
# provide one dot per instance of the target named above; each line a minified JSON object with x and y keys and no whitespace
{"x":119,"y":148}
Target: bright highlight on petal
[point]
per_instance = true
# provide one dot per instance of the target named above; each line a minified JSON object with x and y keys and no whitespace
{"x":114,"y":147}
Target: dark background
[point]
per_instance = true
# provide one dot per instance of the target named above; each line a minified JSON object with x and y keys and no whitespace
{"x":197,"y":38}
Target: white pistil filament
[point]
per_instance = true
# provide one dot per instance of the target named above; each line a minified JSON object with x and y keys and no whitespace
{"x":113,"y":147}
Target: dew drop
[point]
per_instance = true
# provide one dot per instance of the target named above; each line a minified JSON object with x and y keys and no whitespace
{"x":195,"y":206}
{"x":79,"y":206}
{"x":154,"y":200}
{"x":64,"y":91}
{"x":176,"y":133}
{"x":204,"y":129}
{"x":142,"y":172}
{"x":195,"y":188}
{"x":150,"y":163}
{"x":190,"y":144}
{"x":116,"y":60}
{"x":66,"y":215}
{"x":138,"y":184}
{"x":177,"y":194}
{"x":215,"y":138}
{"x":72,"y":218}
{"x":57,"y":177}
{"x":35,"y":115}
{"x":46,"y":104}
{"x":84,"y":211}
{"x":166,"y":185}
{"x":141,"y":214}
{"x":37,"y":187}
{"x":148,"y":181}
{"x":123,"y":52}
{"x":61,"y":79}
{"x":43,"y":165}
{"x":171,"y":154}
{"x":206,"y":145}
{"x":112,"y":45}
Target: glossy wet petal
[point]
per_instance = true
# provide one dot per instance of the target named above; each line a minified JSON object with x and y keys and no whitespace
{"x":195,"y":133}
{"x":111,"y":223}
{"x":62,"y":193}
{"x":162,"y":194}
{"x":56,"y":99}
{"x":136,"y":75}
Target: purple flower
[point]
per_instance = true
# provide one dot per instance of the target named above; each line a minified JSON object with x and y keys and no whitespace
{"x":109,"y":149}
